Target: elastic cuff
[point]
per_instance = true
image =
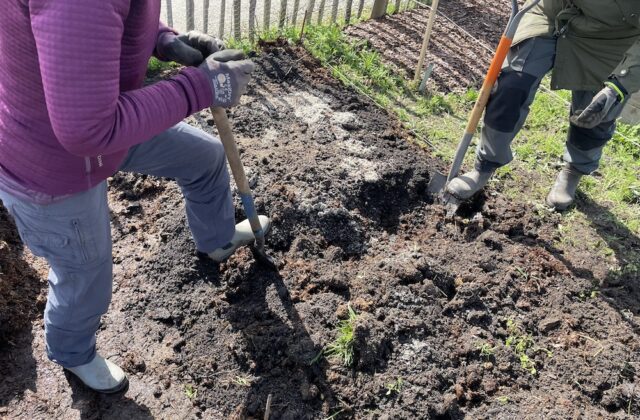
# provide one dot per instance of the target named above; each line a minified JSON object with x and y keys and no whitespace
{"x":202,"y":87}
{"x":614,"y":84}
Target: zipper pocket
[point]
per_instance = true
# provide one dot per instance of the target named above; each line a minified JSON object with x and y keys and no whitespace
{"x":76,"y":226}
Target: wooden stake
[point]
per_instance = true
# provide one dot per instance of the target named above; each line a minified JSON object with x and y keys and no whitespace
{"x":223,"y":6}
{"x":237,"y":33}
{"x":334,"y":11}
{"x":427,"y":38}
{"x":360,"y":8}
{"x":190,"y":20}
{"x":282,"y":19}
{"x":267,"y":15}
{"x":252,"y":20}
{"x":205,"y":16}
{"x":267,"y":410}
{"x":294,"y":15}
{"x":321,"y":11}
{"x":347,"y":13}
{"x":169,"y":6}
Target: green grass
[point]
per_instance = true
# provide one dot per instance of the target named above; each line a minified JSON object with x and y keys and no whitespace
{"x":438,"y":122}
{"x":156,"y":67}
{"x":342,"y":348}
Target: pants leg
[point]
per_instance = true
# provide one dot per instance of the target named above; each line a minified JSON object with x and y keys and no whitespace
{"x":74,"y":236}
{"x":508,"y":107}
{"x":583,"y":148}
{"x":197,"y":162}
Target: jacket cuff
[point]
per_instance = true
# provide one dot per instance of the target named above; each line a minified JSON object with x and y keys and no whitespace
{"x":202,"y":89}
{"x":627,"y":74}
{"x":615,"y":84}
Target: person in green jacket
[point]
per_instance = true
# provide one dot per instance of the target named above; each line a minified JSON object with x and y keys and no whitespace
{"x":592,"y":48}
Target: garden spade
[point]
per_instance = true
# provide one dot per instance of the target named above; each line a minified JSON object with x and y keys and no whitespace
{"x":233,"y":156}
{"x":438,"y":182}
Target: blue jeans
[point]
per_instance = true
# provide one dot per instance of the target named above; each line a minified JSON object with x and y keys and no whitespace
{"x":75,"y":237}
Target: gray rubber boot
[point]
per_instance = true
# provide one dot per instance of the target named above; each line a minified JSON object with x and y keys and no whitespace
{"x":465,"y":186}
{"x":563,"y":192}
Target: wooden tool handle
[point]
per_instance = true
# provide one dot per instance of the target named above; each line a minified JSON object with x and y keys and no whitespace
{"x":233,"y":156}
{"x":487,"y":85}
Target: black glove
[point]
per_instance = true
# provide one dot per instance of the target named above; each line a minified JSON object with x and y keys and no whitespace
{"x":612,"y":94}
{"x":229,"y":73}
{"x":188,"y":49}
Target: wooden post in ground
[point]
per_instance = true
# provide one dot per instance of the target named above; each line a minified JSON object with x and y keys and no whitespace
{"x":294,"y":14}
{"x":321,"y":11}
{"x":223,"y":7}
{"x":252,"y":21}
{"x":425,"y":41}
{"x":360,"y":8}
{"x":266,"y":16}
{"x":347,"y":13}
{"x":190,"y":20}
{"x":379,"y":9}
{"x":169,"y":6}
{"x":334,"y":11}
{"x":282,"y":19}
{"x":205,"y":16}
{"x":237,"y":33}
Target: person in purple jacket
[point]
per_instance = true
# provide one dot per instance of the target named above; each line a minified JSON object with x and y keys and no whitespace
{"x":73,"y":111}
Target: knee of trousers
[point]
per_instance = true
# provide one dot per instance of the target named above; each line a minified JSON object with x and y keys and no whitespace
{"x":591,"y":138}
{"x":505,"y":105}
{"x":208,"y":168}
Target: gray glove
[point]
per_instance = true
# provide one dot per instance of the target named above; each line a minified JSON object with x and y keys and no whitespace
{"x":229,"y":73}
{"x":188,"y":49}
{"x":599,"y":107}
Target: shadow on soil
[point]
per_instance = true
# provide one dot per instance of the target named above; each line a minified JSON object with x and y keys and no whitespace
{"x":279,"y":345}
{"x":92,"y":405}
{"x":620,"y":287}
{"x":20,"y":287}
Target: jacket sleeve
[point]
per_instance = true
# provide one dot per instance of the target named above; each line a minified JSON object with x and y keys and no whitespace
{"x":628,"y":71}
{"x":79,"y":46}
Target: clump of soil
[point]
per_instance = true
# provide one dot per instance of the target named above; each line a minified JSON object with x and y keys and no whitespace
{"x":353,"y":225}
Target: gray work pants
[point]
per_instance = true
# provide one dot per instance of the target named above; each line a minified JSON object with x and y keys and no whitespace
{"x":508,"y":108}
{"x":74,"y":235}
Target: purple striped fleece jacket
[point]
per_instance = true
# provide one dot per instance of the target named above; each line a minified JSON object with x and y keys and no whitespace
{"x":72,"y":100}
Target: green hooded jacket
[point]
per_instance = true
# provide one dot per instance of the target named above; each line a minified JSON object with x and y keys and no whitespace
{"x":596,"y":39}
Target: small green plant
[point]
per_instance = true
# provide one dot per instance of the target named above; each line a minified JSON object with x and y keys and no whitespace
{"x":503,"y":400}
{"x":521,"y":342}
{"x":242,"y":381}
{"x":588,"y":294}
{"x":486,"y":350}
{"x":342,"y":347}
{"x":190,"y":391}
{"x":395,"y":387}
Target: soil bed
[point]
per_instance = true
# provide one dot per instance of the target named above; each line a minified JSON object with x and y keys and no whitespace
{"x":352,"y":225}
{"x":461,"y":47}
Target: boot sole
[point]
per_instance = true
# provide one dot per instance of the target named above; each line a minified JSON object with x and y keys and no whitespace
{"x":122,"y":386}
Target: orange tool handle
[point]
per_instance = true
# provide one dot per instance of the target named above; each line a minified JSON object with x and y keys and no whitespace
{"x":487,"y":85}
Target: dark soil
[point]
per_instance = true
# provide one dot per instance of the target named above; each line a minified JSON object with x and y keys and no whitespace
{"x":352,"y":225}
{"x":463,"y":37}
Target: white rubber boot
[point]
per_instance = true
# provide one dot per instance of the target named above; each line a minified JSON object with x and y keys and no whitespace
{"x":101,"y":375}
{"x":243,"y":236}
{"x":465,"y":186}
{"x":563,"y":193}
